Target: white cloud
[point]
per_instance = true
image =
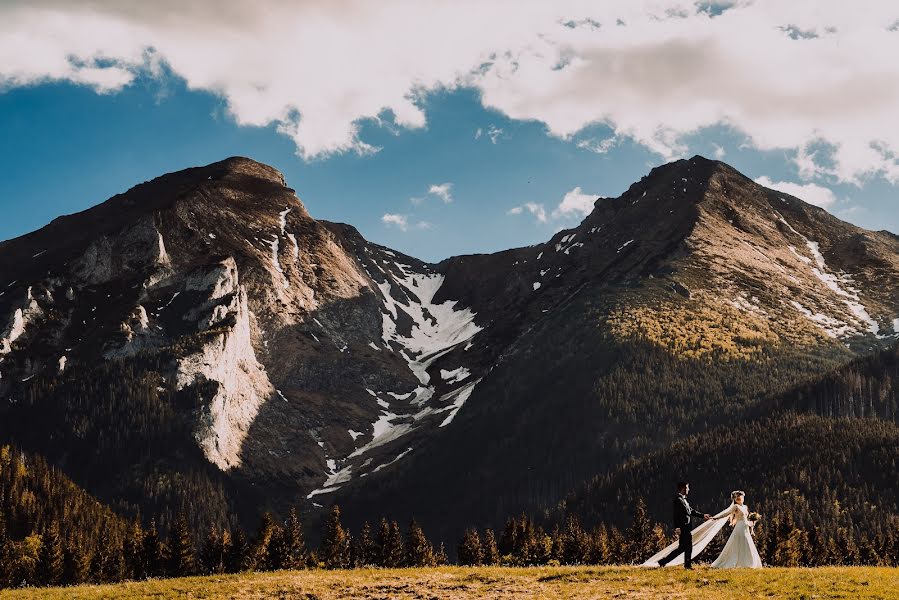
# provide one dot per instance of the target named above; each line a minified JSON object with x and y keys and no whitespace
{"x":493,"y":133}
{"x":575,"y":203}
{"x":598,"y":146}
{"x":718,"y":151}
{"x":654,"y":71}
{"x":537,"y":210}
{"x":442,"y":191}
{"x":809,"y":192}
{"x":478,"y":133}
{"x":402,"y":223}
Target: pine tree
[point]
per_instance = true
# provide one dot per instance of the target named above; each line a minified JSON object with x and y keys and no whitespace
{"x":50,"y":560}
{"x":470,"y":550}
{"x":576,"y":544}
{"x":419,"y":551}
{"x":846,"y":547}
{"x":154,"y":553}
{"x":369,"y":553}
{"x":295,"y":542}
{"x":108,"y":558}
{"x":394,"y":553}
{"x":77,"y":563}
{"x":490,"y":550}
{"x":508,"y":541}
{"x":132,"y":549}
{"x":543,"y":547}
{"x":268,"y":530}
{"x":213,"y":553}
{"x":642,"y":536}
{"x":601,"y":546}
{"x":277,"y":550}
{"x":182,"y":560}
{"x":336,"y":543}
{"x":440,"y":558}
{"x":383,"y":541}
{"x":237,"y":560}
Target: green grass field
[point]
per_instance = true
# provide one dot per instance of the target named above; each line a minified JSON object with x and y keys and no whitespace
{"x":857,"y":583}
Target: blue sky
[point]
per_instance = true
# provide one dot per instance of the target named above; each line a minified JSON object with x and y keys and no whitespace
{"x":69,"y":142}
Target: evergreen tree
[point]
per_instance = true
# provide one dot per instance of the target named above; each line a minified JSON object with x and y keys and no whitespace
{"x":295,"y":543}
{"x":471,"y":553}
{"x":601,"y":546}
{"x":237,"y":554}
{"x":50,"y":560}
{"x":575,"y":543}
{"x":508,"y":541}
{"x":77,"y":563}
{"x":336,"y":542}
{"x":108,"y":559}
{"x":267,"y":531}
{"x":154,"y":553}
{"x":490,"y":549}
{"x":132,"y":549}
{"x":369,"y":553}
{"x":419,"y":551}
{"x":440,"y":558}
{"x":643,"y":537}
{"x":182,"y":559}
{"x":543,"y":547}
{"x":213,"y":554}
{"x":394,"y":553}
{"x":383,"y":541}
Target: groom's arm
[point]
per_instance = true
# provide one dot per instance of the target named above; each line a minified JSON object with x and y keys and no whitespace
{"x":696,"y":513}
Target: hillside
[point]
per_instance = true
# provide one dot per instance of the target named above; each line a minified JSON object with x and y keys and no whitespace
{"x":201,"y":336}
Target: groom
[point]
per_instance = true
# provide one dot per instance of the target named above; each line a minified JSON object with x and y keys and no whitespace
{"x":681,"y":519}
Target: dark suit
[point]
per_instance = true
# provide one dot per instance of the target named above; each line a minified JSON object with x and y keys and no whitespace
{"x":682,"y":512}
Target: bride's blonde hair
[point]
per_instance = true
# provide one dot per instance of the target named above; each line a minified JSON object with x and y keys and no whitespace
{"x":735,"y":493}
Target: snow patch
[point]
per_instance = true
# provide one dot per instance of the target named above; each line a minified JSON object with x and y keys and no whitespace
{"x":296,"y":246}
{"x":282,"y":219}
{"x":455,"y":376}
{"x":398,"y":457}
{"x":831,"y":326}
{"x":459,"y":398}
{"x":624,"y":245}
{"x":536,"y":285}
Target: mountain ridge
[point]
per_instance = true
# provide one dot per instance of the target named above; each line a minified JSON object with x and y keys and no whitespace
{"x":243,"y":350}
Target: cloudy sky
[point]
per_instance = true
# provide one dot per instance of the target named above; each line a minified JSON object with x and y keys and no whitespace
{"x":445,"y":127}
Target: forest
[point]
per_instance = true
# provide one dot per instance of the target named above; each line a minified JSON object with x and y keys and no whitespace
{"x":54,"y":533}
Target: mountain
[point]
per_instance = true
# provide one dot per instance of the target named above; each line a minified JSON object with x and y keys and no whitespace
{"x":201,"y":336}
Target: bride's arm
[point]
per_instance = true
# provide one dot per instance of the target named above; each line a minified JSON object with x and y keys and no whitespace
{"x":726,"y":515}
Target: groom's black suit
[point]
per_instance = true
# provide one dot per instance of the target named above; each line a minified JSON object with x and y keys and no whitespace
{"x":681,"y":515}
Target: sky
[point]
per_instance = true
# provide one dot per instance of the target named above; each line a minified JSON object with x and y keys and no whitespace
{"x":448,"y":127}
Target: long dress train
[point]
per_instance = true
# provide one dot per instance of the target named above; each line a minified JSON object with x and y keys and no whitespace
{"x":701,"y":537}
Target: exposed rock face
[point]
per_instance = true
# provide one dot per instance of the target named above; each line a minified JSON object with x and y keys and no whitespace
{"x":306,"y":362}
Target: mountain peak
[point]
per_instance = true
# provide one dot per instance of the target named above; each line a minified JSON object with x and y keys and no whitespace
{"x":241,"y":165}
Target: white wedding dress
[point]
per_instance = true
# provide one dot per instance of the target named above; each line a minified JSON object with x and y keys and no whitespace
{"x":739,"y":551}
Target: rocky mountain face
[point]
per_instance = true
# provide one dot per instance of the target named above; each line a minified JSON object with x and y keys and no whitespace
{"x":203,"y":334}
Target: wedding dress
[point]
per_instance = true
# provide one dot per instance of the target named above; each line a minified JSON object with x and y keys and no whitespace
{"x":739,"y":551}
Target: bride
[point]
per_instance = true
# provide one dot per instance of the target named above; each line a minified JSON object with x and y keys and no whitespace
{"x":739,"y":551}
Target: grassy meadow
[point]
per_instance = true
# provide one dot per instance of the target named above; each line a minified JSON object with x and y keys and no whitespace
{"x":857,"y":583}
